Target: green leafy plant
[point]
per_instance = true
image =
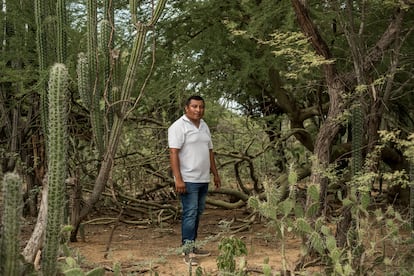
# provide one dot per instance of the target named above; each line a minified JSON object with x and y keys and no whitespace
{"x":230,"y":248}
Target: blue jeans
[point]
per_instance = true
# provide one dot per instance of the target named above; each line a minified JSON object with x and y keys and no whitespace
{"x":193,"y":203}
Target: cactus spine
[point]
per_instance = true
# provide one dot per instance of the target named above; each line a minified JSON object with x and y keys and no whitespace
{"x":13,"y":203}
{"x":57,"y":164}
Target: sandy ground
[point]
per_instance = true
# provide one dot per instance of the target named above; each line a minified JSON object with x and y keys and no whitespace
{"x":154,"y":249}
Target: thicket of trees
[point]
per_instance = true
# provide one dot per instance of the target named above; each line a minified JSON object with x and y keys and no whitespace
{"x":316,"y":91}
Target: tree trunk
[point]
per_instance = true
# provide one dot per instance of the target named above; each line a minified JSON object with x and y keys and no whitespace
{"x":330,"y":127}
{"x":324,"y":140}
{"x":36,"y":240}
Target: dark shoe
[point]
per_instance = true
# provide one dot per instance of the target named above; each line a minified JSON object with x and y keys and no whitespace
{"x":189,"y":259}
{"x":201,"y":253}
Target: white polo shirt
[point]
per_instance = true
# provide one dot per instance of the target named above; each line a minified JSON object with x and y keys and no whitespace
{"x":194,"y":145}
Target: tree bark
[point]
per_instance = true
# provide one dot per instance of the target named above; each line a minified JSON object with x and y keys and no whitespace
{"x":329,"y":129}
{"x":36,"y":240}
{"x":324,"y":140}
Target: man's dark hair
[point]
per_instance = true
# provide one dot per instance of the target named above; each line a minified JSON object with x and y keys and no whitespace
{"x":194,"y":97}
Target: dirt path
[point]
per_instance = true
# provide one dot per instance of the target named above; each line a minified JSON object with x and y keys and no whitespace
{"x":155,"y":249}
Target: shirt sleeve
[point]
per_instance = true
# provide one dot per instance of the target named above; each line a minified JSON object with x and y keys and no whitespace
{"x":175,"y":137}
{"x":210,"y":143}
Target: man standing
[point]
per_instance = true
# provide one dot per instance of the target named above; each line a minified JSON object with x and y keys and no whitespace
{"x":192,"y":160}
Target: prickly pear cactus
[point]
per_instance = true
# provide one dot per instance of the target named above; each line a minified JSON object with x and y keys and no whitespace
{"x":57,"y":164}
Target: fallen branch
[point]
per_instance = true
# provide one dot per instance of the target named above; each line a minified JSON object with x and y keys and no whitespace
{"x":36,"y":240}
{"x":225,"y":204}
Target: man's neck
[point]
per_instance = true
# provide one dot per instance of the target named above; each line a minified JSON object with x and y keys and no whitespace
{"x":195,"y":122}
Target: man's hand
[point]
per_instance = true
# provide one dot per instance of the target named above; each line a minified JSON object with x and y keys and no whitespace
{"x":175,"y":167}
{"x":217,"y":182}
{"x":180,"y":187}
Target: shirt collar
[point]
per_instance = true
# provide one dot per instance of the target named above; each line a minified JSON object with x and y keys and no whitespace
{"x":185,"y":118}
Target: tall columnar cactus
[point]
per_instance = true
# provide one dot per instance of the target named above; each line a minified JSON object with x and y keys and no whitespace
{"x":133,"y":10}
{"x":412,"y":196}
{"x":94,"y":85}
{"x":61,"y":30}
{"x":57,"y":164}
{"x":357,"y":137}
{"x":106,"y":47}
{"x":13,"y":204}
{"x":40,"y":14}
{"x":83,"y":80}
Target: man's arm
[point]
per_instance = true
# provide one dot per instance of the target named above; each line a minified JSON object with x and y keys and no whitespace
{"x":175,"y":167}
{"x":213,"y":169}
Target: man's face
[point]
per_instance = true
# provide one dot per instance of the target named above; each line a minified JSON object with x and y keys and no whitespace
{"x":195,"y":110}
